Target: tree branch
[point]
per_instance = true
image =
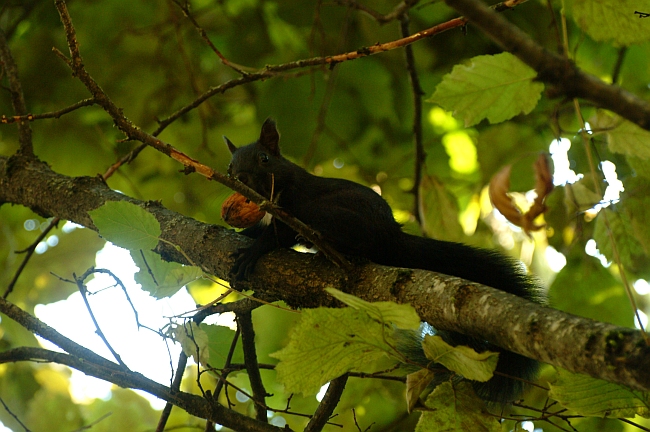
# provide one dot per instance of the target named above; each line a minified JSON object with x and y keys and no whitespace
{"x":328,"y":404}
{"x":191,"y":165}
{"x":17,"y":96}
{"x":420,"y":155}
{"x":55,"y":114}
{"x":25,"y":428}
{"x":598,"y":349}
{"x":565,"y":77}
{"x":111,"y":372}
{"x":395,"y":14}
{"x":29,"y":251}
{"x":79,"y":281}
{"x":176,"y":385}
{"x":245,"y":325}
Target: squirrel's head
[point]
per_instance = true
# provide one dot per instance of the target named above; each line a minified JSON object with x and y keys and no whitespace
{"x":256,"y":164}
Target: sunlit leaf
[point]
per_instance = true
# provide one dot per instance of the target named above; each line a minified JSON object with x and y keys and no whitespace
{"x":496,"y":87}
{"x":193,"y":340}
{"x":589,"y":396}
{"x":461,"y":359}
{"x":439,"y":210}
{"x":623,"y":136}
{"x":328,"y":343}
{"x":635,"y":204}
{"x":586,"y":288}
{"x":401,"y":315}
{"x":617,"y":21}
{"x":456,"y":408}
{"x":162,"y":278}
{"x":219,"y":342}
{"x":622,"y":233}
{"x":53,"y":411}
{"x":126,"y":225}
{"x":580,"y":195}
{"x":416,"y":382}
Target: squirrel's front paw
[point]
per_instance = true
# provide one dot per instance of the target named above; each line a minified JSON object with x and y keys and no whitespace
{"x":244,"y":264}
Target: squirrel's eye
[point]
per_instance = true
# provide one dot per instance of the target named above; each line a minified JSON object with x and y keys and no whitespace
{"x":264,"y":158}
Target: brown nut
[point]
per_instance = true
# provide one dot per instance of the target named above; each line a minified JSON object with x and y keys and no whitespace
{"x":240,"y":212}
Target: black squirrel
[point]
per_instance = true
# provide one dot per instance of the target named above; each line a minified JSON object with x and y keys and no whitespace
{"x":357,"y":221}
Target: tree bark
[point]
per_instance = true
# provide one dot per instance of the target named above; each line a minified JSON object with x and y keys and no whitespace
{"x":598,"y":349}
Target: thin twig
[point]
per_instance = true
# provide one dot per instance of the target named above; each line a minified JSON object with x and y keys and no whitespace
{"x":227,"y":365}
{"x":245,"y":324}
{"x":186,"y":11}
{"x":417,"y":91}
{"x":92,"y":424}
{"x":327,"y":97}
{"x":619,"y":64}
{"x":84,"y":295}
{"x":126,"y":294}
{"x":176,"y":385}
{"x":54,"y":114}
{"x":219,"y":308}
{"x":356,"y":423}
{"x":203,"y":111}
{"x":287,"y":410}
{"x":393,"y":15}
{"x":14,"y":415}
{"x":17,"y":97}
{"x":30,"y":251}
{"x":188,"y":327}
{"x":636,"y":425}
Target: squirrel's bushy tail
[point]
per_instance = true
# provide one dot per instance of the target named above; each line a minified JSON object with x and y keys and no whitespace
{"x":488,"y":268}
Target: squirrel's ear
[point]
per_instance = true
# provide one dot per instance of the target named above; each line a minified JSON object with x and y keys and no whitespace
{"x":230,"y":145}
{"x":270,"y":137}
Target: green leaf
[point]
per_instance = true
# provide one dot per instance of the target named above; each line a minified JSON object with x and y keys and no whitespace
{"x":635,"y":203}
{"x":496,"y":87}
{"x":416,"y":383}
{"x":623,"y":136}
{"x":126,"y":225}
{"x":629,"y":249}
{"x":586,"y":288}
{"x":580,"y":195}
{"x":193,"y":340}
{"x":219,"y":342}
{"x":401,"y":315}
{"x":327,"y":343}
{"x":612,"y":20}
{"x":500,"y":144}
{"x":640,"y":166}
{"x":162,"y":278}
{"x":439,"y":211}
{"x":592,"y":397}
{"x":135,"y":412}
{"x":456,"y":408}
{"x":461,"y":359}
{"x":53,"y":411}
